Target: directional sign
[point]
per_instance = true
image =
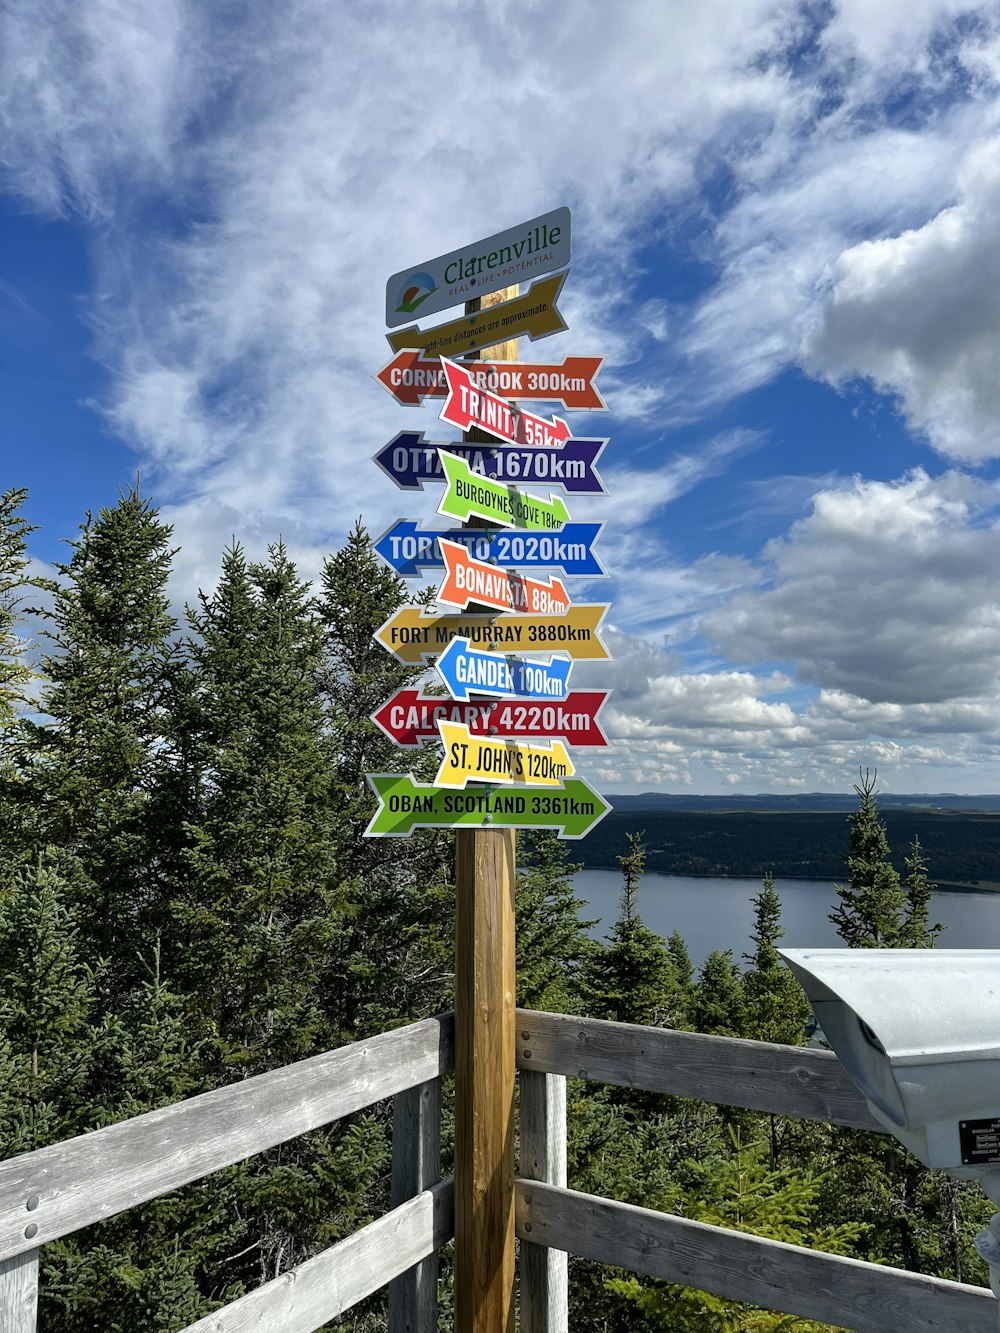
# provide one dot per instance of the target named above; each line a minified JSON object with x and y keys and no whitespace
{"x":573,"y":808}
{"x":409,"y":718}
{"x":533,"y":314}
{"x":468,"y":758}
{"x":467,"y":670}
{"x":527,"y":251}
{"x":468,"y":580}
{"x":409,"y":549}
{"x":466,"y":494}
{"x":467,"y":406}
{"x":410,"y":377}
{"x":411,"y":635}
{"x":409,"y":460}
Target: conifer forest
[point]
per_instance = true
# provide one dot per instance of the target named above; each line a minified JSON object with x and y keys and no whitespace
{"x":187,"y":900}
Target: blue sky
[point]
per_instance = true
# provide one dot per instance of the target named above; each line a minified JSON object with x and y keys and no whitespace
{"x":785,"y":245}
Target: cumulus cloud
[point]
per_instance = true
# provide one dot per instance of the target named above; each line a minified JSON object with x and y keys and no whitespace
{"x":919,"y":314}
{"x":885,"y":591}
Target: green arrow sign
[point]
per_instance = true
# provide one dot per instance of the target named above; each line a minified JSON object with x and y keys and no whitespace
{"x":572,"y":808}
{"x":468,"y":493}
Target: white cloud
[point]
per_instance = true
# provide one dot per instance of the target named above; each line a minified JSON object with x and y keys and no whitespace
{"x":918,"y":313}
{"x":885,"y":591}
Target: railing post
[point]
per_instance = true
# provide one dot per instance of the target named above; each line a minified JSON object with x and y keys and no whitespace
{"x":416,"y":1166}
{"x":544,"y":1272}
{"x":19,"y":1293}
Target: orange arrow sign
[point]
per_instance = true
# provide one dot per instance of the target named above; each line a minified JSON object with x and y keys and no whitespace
{"x":410,"y":377}
{"x":468,"y":580}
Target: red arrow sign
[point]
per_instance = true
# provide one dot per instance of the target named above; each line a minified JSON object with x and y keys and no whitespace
{"x":409,"y":377}
{"x":467,"y":581}
{"x":467,"y":406}
{"x":409,"y":718}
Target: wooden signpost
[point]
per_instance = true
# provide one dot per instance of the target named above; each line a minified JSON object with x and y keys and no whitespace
{"x":509,"y":646}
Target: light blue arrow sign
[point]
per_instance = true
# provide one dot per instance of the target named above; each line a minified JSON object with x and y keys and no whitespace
{"x":468,"y":671}
{"x":410,"y":549}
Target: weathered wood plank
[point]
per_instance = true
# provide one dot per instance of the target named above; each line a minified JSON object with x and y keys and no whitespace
{"x":762,"y":1076}
{"x":845,"y":1292}
{"x":484,"y":1081}
{"x":322,"y":1288}
{"x":96,"y":1175}
{"x":544,"y":1272}
{"x":416,"y":1166}
{"x":19,"y":1292}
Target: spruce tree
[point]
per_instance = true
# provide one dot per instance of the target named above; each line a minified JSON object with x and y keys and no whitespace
{"x":552,"y":941}
{"x":775,"y":1005}
{"x":718,"y":1002}
{"x":14,"y":672}
{"x":631,"y":979}
{"x":871,"y":911}
{"x":86,"y":769}
{"x":917,"y":933}
{"x":400,"y":942}
{"x":256,"y":900}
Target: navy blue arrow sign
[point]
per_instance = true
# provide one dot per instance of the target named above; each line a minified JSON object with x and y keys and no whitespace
{"x":468,"y":671}
{"x":409,"y":460}
{"x":410,"y":549}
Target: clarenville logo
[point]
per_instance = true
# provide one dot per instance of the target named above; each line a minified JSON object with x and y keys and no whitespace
{"x":414,"y":291}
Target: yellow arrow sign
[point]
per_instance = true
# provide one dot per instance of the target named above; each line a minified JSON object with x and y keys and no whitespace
{"x":534,"y":314}
{"x":469,"y":758}
{"x":411,"y":635}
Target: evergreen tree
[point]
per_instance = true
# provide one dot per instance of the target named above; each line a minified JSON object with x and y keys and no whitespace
{"x":917,"y":933}
{"x":870,"y":914}
{"x":552,"y":941}
{"x":88,"y":767}
{"x":401,"y":932}
{"x":257,"y":901}
{"x":631,"y":979}
{"x":776,"y":1008}
{"x":744,"y":1192}
{"x":14,"y":673}
{"x":718,"y":1003}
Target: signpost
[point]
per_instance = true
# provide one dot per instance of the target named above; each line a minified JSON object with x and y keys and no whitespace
{"x":411,"y":635}
{"x":466,"y":494}
{"x":468,"y":670}
{"x":469,"y":758}
{"x":534,"y":314}
{"x":409,"y":549}
{"x":503,"y":707}
{"x":410,"y":718}
{"x":410,"y":378}
{"x":539,"y":246}
{"x":572,"y":808}
{"x":410,"y":461}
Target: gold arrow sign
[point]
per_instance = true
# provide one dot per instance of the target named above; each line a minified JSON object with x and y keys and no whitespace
{"x":534,"y":314}
{"x":470,"y":758}
{"x":411,"y":636}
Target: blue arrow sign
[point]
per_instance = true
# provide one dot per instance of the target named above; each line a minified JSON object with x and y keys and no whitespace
{"x":468,"y":671}
{"x":409,"y":460}
{"x":410,"y":549}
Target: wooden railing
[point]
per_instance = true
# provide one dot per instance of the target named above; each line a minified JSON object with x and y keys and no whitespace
{"x":786,"y":1080}
{"x":62,"y":1188}
{"x":59,"y":1189}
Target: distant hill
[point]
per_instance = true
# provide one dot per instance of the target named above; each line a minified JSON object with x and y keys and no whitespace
{"x":816,"y":801}
{"x":962,"y":845}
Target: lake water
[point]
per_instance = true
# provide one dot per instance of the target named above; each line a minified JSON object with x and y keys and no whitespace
{"x":718,"y":914}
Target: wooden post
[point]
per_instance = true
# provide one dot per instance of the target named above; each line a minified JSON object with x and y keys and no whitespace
{"x":544,"y":1272}
{"x":485,"y":869}
{"x":416,"y":1166}
{"x":19,"y":1293}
